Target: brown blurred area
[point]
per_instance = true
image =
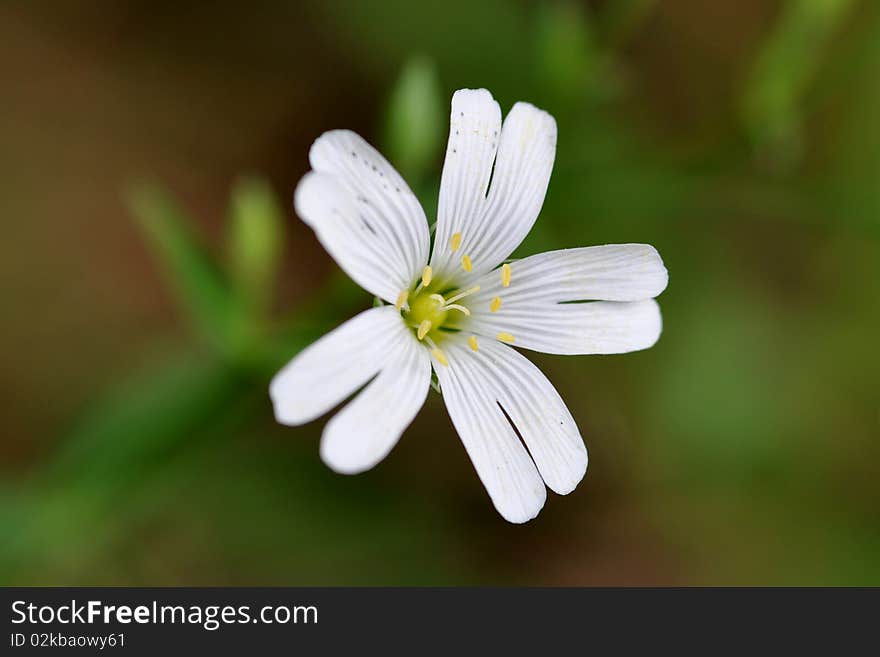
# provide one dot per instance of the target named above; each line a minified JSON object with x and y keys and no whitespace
{"x":99,"y":93}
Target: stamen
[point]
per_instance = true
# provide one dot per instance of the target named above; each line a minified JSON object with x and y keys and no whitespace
{"x":427,"y":273}
{"x":505,"y":337}
{"x":401,"y":299}
{"x":424,"y":327}
{"x":455,"y":306}
{"x":472,"y":341}
{"x":440,"y":356}
{"x":448,"y":305}
{"x":495,"y":305}
{"x":505,"y":275}
{"x":466,"y":263}
{"x":462,"y":295}
{"x":455,"y":242}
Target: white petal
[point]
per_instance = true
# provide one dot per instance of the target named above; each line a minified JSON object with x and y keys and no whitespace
{"x":364,"y":214}
{"x":526,"y":151}
{"x":502,"y":463}
{"x":474,"y":125}
{"x":325,"y":205}
{"x":596,"y":327}
{"x":331,"y":369}
{"x":364,"y":432}
{"x":616,"y":272}
{"x":538,"y":413}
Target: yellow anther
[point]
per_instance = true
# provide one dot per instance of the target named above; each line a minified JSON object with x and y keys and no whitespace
{"x":424,"y":327}
{"x":455,"y":306}
{"x":427,"y":273}
{"x":505,"y":337}
{"x":505,"y":275}
{"x":495,"y":304}
{"x":472,"y":341}
{"x":455,"y":242}
{"x":466,"y":263}
{"x":440,"y":356}
{"x":462,"y":295}
{"x":401,"y":299}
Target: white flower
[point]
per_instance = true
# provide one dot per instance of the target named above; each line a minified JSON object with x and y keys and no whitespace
{"x":461,"y":309}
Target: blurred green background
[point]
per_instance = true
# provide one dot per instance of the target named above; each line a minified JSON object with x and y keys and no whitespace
{"x":155,"y":277}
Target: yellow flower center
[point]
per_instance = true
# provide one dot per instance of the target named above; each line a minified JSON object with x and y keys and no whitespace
{"x":427,"y":307}
{"x":428,"y":310}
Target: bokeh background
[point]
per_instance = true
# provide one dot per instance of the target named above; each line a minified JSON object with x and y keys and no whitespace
{"x":154,"y":277}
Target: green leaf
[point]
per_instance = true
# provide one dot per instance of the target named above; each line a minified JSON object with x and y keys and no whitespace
{"x":783,"y":71}
{"x":852,"y":194}
{"x":129,"y":433}
{"x":566,"y":58}
{"x":139,"y":420}
{"x":415,"y":122}
{"x":202,"y":294}
{"x":256,"y":242}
